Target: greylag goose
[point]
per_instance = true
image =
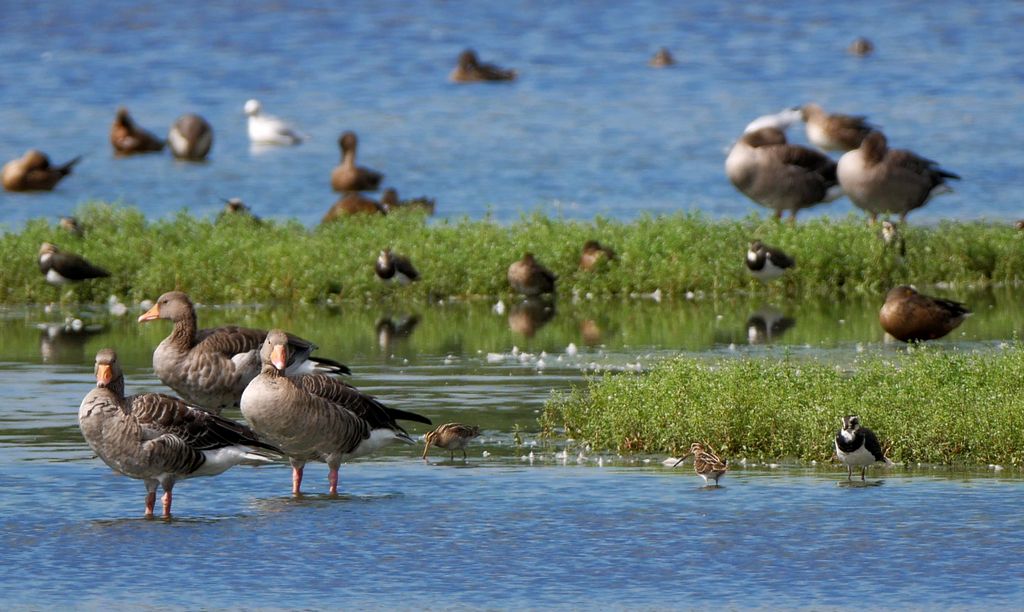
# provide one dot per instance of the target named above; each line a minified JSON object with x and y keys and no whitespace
{"x":593,"y":254}
{"x":834,"y":132}
{"x":470,"y":70}
{"x":160,"y":439}
{"x":908,"y":315}
{"x":314,"y":417}
{"x":392,"y":266}
{"x":191,"y":138}
{"x":528,"y":277}
{"x":127,"y":138}
{"x":451,"y":437}
{"x":883,"y":180}
{"x":34,"y":172}
{"x":211,"y":367}
{"x":61,"y":268}
{"x":778,"y":175}
{"x":766,"y":263}
{"x":347,"y":176}
{"x":267,"y":129}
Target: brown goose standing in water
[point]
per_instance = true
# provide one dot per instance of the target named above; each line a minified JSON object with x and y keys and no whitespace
{"x":211,"y":367}
{"x":908,"y":315}
{"x":451,"y":437}
{"x":528,"y":277}
{"x":127,"y":138}
{"x":781,"y":176}
{"x":314,"y":417}
{"x":834,"y":132}
{"x":61,"y":268}
{"x":470,"y":70}
{"x":190,"y":138}
{"x":159,"y":439}
{"x":34,"y":172}
{"x":347,"y":176}
{"x":882,"y":180}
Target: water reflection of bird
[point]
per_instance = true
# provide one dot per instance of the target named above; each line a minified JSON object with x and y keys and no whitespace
{"x":451,"y":437}
{"x":706,"y":463}
{"x":909,"y":315}
{"x":470,"y":69}
{"x":591,"y":332}
{"x":857,"y":446}
{"x":65,"y":342}
{"x":160,"y":439}
{"x":391,"y":330}
{"x":767,"y":263}
{"x":528,"y":277}
{"x":767,"y":324}
{"x":531,"y":314}
{"x":315,"y":417}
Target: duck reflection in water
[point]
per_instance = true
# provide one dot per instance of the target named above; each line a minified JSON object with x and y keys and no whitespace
{"x":65,"y":342}
{"x":767,"y":324}
{"x":531,"y":314}
{"x":392,"y":330}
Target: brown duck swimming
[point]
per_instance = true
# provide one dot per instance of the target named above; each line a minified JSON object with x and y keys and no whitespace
{"x":34,"y":172}
{"x":470,"y":70}
{"x":908,"y":315}
{"x":347,"y":176}
{"x":127,"y":138}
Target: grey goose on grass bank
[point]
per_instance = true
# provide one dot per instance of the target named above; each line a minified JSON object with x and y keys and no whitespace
{"x":881,"y":180}
{"x":766,"y":263}
{"x":34,"y":172}
{"x":61,"y":268}
{"x":858,"y":446}
{"x":314,"y":417}
{"x":160,"y":439}
{"x":211,"y":367}
{"x":190,"y":138}
{"x":528,"y":277}
{"x":834,"y":132}
{"x":392,"y":266}
{"x":347,"y":176}
{"x":470,"y":69}
{"x":128,"y":138}
{"x":781,"y":176}
{"x":451,"y":437}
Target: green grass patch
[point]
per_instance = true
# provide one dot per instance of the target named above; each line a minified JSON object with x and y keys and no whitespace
{"x":241,"y":261}
{"x":926,"y":405}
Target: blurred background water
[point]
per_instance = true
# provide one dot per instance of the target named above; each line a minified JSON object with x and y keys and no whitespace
{"x":588,"y":129}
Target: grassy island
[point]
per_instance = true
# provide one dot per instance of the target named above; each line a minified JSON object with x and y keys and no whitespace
{"x":240,"y":260}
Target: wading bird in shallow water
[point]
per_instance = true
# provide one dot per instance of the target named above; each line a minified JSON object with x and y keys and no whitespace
{"x":211,"y":367}
{"x":160,"y":439}
{"x":314,"y":417}
{"x":706,"y":463}
{"x":858,"y":446}
{"x":451,"y":437}
{"x":61,"y":268}
{"x":909,"y":315}
{"x":766,"y":263}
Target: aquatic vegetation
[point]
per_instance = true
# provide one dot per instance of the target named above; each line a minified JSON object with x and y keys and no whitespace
{"x":930,"y":405}
{"x":237,"y":259}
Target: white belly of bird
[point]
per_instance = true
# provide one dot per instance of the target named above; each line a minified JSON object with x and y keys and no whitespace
{"x":54,"y":278}
{"x":858,"y":458}
{"x":379,"y":438}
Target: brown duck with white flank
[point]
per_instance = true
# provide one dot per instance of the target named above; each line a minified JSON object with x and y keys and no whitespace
{"x":882,"y":180}
{"x":706,"y":463}
{"x":470,"y":70}
{"x":60,"y":268}
{"x":528,"y":277}
{"x":190,"y":138}
{"x":778,"y":175}
{"x":834,"y":132}
{"x":127,"y":138}
{"x":211,"y":367}
{"x":908,"y":315}
{"x":347,"y":176}
{"x":594,"y":254}
{"x":313,"y":417}
{"x":34,"y":172}
{"x":451,"y":437}
{"x":159,"y":439}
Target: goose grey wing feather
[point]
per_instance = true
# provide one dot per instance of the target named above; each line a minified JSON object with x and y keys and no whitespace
{"x":160,"y":415}
{"x":233,"y":340}
{"x":362,"y":405}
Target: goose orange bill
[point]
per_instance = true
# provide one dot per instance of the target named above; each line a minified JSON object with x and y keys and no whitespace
{"x":104,"y":373}
{"x":279,"y":358}
{"x":150,"y":315}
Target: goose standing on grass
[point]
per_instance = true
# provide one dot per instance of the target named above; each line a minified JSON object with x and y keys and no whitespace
{"x":190,"y":138}
{"x":470,"y":70}
{"x":211,"y":367}
{"x":834,"y":132}
{"x":34,"y":172}
{"x":61,"y":268}
{"x":451,"y":437}
{"x":781,"y":176}
{"x":857,"y":446}
{"x":314,"y":417}
{"x":267,"y":129}
{"x":528,"y":277}
{"x":159,"y":439}
{"x":766,"y":263}
{"x":883,"y":180}
{"x":909,"y":316}
{"x":706,"y":463}
{"x":392,"y":266}
{"x":127,"y":138}
{"x":347,"y":176}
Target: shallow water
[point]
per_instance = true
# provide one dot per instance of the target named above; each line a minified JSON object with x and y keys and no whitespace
{"x":588,"y":129}
{"x":514,"y":526}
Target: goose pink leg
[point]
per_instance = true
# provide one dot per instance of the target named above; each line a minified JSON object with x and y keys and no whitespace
{"x":297,"y":480}
{"x":332,"y":480}
{"x":150,"y":502}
